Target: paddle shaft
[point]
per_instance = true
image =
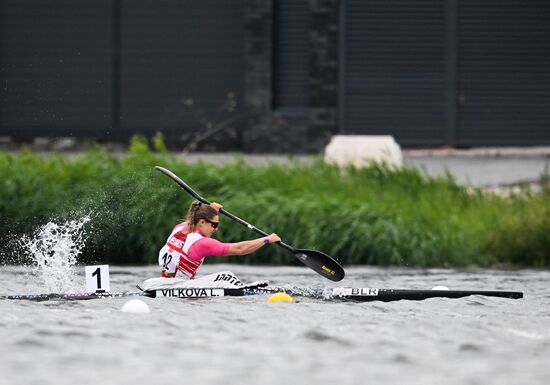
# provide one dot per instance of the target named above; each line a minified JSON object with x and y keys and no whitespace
{"x":254,"y":228}
{"x":194,"y":194}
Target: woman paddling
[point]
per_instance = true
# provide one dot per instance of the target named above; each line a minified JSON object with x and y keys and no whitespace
{"x":190,"y":242}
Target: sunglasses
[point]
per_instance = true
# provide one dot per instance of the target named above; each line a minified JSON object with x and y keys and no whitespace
{"x":213,"y":223}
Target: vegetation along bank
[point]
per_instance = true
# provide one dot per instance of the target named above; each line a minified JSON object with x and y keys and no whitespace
{"x":373,"y":215}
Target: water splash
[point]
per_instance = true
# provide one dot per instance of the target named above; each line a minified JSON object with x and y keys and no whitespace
{"x":53,"y":252}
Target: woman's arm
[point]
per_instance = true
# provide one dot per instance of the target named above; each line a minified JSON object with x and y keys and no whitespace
{"x":247,"y":247}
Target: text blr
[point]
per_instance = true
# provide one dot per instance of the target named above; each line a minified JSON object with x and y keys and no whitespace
{"x":355,"y":291}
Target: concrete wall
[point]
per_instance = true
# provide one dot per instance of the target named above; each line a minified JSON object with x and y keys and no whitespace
{"x":271,"y":131}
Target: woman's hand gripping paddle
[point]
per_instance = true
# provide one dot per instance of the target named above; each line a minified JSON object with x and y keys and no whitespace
{"x":317,"y":261}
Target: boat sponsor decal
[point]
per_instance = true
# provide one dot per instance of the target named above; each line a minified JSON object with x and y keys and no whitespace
{"x":257,"y":291}
{"x":230,"y":278}
{"x":327,"y":270}
{"x":355,"y":291}
{"x":190,"y":293}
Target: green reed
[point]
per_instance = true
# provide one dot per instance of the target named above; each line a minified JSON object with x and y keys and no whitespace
{"x":372,"y":215}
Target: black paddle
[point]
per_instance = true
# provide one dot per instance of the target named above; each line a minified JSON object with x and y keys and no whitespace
{"x":317,"y":261}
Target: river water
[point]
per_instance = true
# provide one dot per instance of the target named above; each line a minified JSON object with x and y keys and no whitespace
{"x":246,"y":340}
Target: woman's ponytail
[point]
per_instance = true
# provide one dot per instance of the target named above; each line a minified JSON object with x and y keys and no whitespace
{"x":198,"y":211}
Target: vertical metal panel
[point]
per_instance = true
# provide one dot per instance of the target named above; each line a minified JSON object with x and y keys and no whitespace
{"x":451,"y":59}
{"x":342,"y":64}
{"x":177,"y":53}
{"x":395,"y":69}
{"x":291,"y":54}
{"x":55,"y":67}
{"x":504,"y":72}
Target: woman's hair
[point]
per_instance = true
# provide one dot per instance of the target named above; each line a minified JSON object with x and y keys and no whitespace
{"x":199,"y":211}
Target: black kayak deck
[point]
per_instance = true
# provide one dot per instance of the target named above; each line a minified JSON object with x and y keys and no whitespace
{"x":329,"y":294}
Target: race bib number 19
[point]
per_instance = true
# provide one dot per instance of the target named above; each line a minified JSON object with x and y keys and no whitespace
{"x":97,"y":278}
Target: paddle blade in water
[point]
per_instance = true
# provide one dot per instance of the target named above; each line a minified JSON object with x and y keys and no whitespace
{"x":321,"y":263}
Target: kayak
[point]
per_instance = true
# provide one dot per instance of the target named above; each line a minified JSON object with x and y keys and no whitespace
{"x":336,"y":294}
{"x":352,"y":294}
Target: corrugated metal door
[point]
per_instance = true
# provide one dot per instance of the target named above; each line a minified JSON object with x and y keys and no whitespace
{"x":504,"y":72}
{"x":55,"y":67}
{"x":291,"y":54}
{"x":180,"y":63}
{"x":394,"y":73}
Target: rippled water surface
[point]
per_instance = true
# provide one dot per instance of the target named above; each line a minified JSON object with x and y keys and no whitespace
{"x":246,"y":340}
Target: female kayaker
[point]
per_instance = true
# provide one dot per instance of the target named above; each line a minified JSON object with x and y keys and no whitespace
{"x":191,"y":241}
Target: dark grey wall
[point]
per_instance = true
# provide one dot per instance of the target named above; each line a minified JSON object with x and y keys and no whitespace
{"x":503,"y":72}
{"x":459,"y":73}
{"x":429,"y":72}
{"x":394,"y":63}
{"x":112,"y":68}
{"x":276,"y":123}
{"x":294,"y":72}
{"x":55,"y":67}
{"x":179,"y":62}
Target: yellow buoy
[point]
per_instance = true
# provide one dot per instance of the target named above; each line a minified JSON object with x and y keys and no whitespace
{"x":280,"y":297}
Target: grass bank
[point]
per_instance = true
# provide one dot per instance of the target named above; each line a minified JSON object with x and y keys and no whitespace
{"x":360,"y":216}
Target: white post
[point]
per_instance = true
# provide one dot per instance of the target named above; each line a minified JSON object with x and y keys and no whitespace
{"x":360,"y":150}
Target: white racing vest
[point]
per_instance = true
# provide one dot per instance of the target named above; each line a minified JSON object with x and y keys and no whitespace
{"x":169,"y":254}
{"x":187,"y":266}
{"x":173,"y":257}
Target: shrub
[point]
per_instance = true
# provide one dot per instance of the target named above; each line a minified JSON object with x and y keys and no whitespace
{"x":371,"y":215}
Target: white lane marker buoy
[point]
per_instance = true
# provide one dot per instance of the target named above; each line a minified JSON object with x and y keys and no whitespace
{"x":135,"y":306}
{"x":440,"y":288}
